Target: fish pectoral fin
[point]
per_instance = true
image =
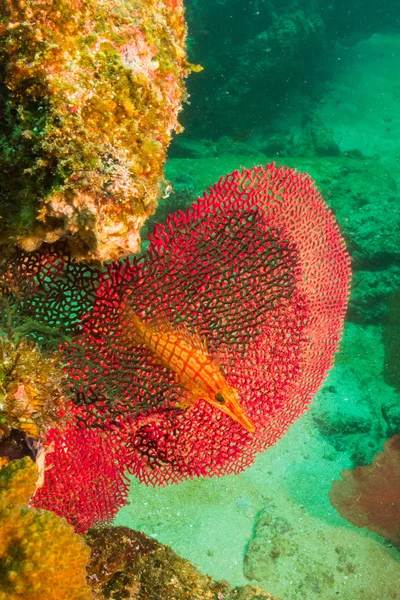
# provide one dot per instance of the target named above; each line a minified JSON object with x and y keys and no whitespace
{"x":187,"y":401}
{"x":180,"y":398}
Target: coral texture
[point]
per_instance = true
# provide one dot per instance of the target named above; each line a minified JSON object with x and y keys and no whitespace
{"x":40,"y":555}
{"x":257,"y":267}
{"x":370,"y":496}
{"x":85,"y":480}
{"x":126,"y":561}
{"x":89,"y":100}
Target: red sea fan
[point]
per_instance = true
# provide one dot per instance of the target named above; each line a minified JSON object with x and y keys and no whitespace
{"x":259,"y":269}
{"x":85,"y":478}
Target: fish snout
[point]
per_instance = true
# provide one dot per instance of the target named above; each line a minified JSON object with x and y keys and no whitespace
{"x":227,"y":401}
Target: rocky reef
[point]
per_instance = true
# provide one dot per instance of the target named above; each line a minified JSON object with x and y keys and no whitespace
{"x":254,"y":55}
{"x":325,"y":561}
{"x":89,"y":97}
{"x":127,"y":564}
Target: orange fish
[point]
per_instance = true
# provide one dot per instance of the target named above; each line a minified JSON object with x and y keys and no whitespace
{"x":186,"y":355}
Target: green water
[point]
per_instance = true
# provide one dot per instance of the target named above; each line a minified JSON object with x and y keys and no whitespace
{"x":315,"y":86}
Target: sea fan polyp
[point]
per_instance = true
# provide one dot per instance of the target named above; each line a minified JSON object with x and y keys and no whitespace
{"x":257,"y":269}
{"x":258,"y":272}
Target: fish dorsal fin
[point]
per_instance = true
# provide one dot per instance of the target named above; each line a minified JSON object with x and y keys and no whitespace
{"x":192,"y":337}
{"x":130,"y":330}
{"x":162,"y":325}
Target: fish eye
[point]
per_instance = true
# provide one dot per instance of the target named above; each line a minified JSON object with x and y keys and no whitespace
{"x":219,"y":398}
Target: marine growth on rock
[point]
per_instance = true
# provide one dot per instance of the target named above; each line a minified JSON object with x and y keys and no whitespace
{"x":90,"y":93}
{"x":40,"y":554}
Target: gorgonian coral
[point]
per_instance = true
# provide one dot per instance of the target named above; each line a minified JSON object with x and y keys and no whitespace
{"x":258,"y":269}
{"x":85,"y":481}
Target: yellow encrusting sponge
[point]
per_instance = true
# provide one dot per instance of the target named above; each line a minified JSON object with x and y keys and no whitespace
{"x":41,"y":557}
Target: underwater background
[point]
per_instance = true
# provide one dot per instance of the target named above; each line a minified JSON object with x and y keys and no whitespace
{"x":312,"y":85}
{"x":90,"y":99}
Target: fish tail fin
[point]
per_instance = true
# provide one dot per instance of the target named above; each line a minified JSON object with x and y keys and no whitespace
{"x":131,"y":326}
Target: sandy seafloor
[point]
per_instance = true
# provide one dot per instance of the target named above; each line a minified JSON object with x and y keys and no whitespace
{"x":209,"y":522}
{"x":307,"y":550}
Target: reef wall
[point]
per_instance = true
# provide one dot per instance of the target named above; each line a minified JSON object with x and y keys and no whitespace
{"x":89,"y":98}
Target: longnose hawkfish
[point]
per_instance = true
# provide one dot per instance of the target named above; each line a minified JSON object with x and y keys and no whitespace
{"x":185,"y":354}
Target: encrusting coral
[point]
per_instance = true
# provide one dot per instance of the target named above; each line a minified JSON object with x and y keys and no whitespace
{"x":369,"y":496}
{"x":90,"y":93}
{"x":30,"y":388}
{"x":40,"y":555}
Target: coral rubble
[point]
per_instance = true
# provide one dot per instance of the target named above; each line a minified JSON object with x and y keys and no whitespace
{"x":89,"y":99}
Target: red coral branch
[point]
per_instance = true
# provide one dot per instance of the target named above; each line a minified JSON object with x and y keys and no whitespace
{"x":84,"y":478}
{"x":258,"y":268}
